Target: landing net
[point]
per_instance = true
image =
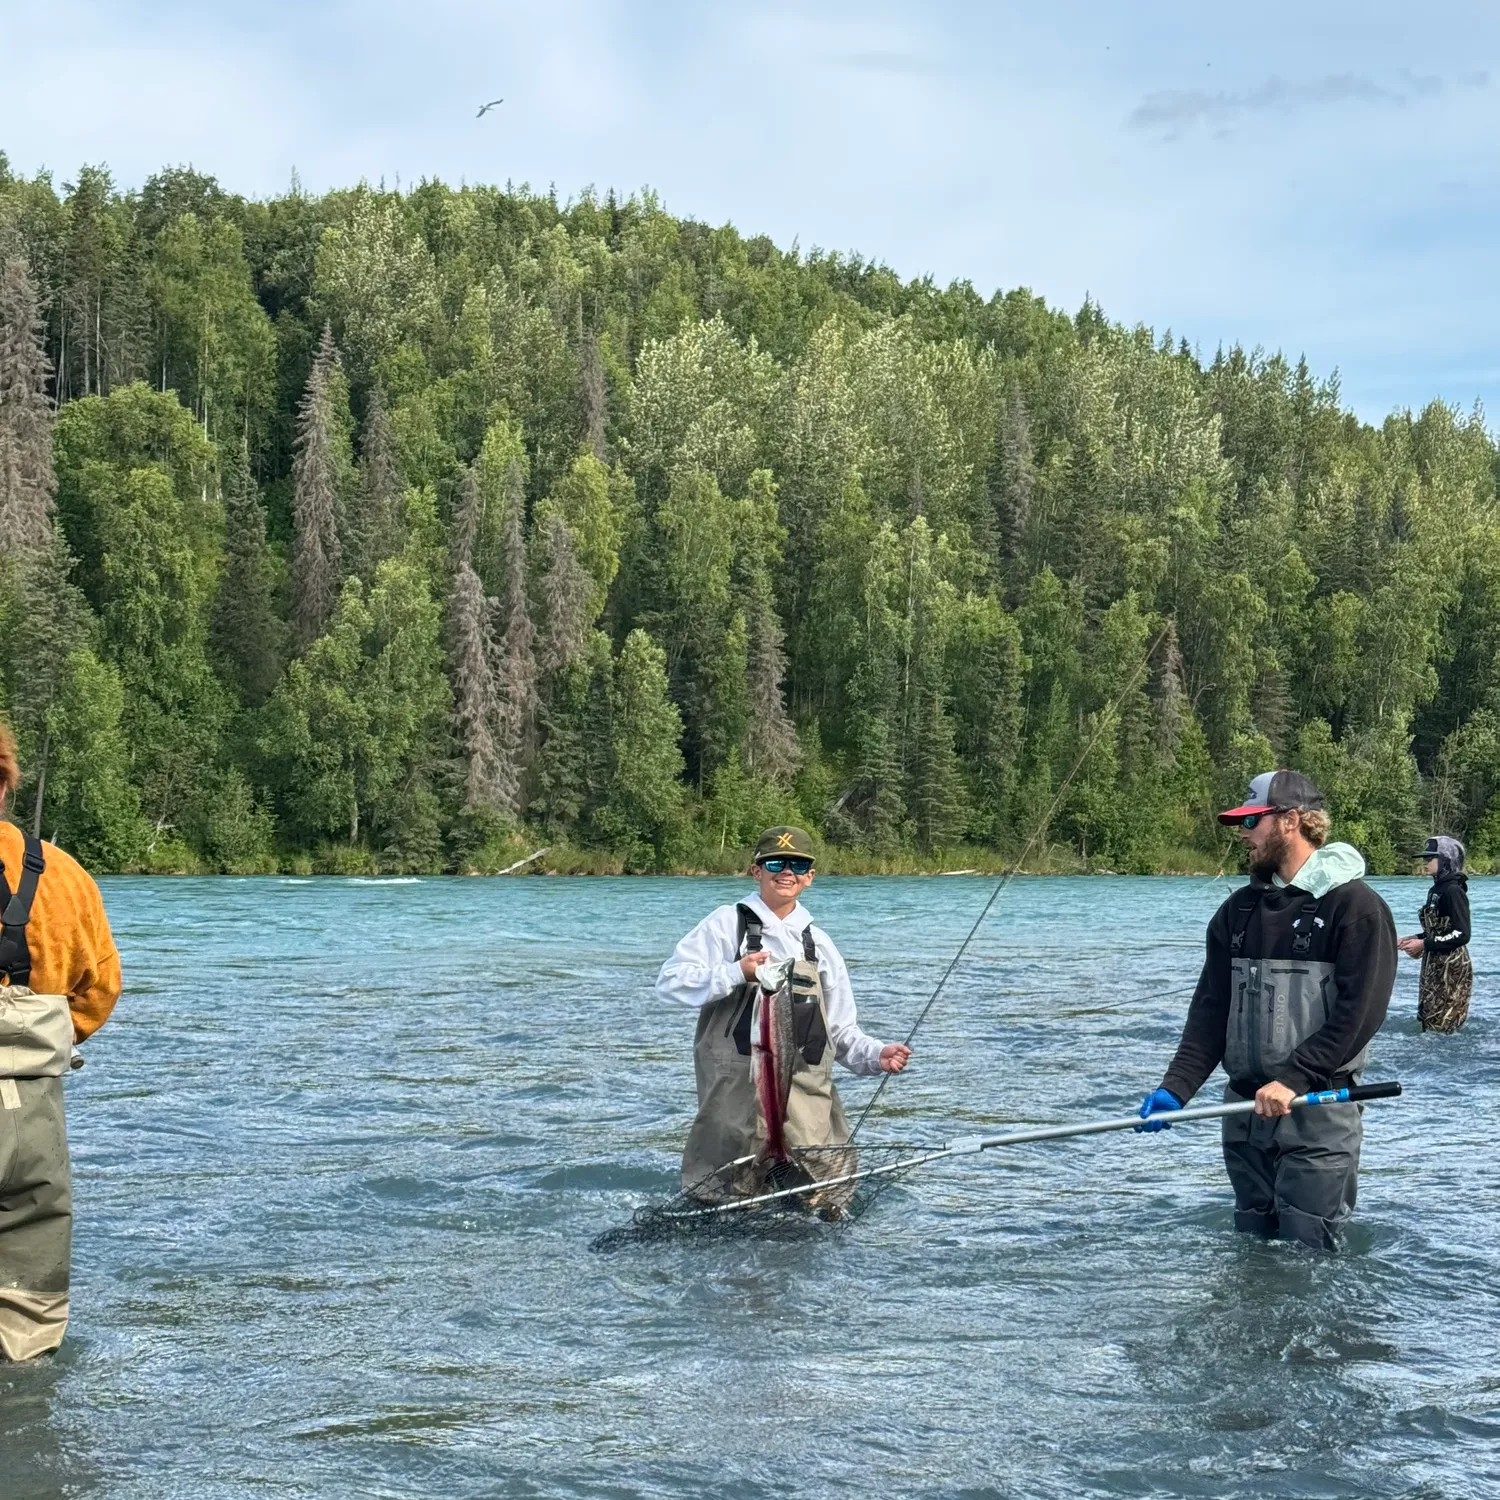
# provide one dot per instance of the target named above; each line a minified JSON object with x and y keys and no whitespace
{"x":822,"y":1185}
{"x":818,"y":1188}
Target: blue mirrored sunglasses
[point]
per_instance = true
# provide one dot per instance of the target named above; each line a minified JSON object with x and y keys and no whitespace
{"x":1251,"y":819}
{"x":797,"y":865}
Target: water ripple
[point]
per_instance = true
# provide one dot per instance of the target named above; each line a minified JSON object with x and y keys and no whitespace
{"x":334,"y":1193}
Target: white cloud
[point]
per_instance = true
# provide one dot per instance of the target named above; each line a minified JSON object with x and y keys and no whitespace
{"x":1008,"y":144}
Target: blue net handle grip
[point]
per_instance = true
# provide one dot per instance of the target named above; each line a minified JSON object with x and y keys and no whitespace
{"x":1357,"y":1093}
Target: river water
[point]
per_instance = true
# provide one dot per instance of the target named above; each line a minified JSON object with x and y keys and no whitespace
{"x":340,"y":1154}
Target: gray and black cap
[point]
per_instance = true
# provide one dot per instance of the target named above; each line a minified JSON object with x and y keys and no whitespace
{"x":1449,"y":853}
{"x":1276,"y":791}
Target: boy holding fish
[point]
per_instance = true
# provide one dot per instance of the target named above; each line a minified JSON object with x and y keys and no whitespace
{"x":775,"y":1009}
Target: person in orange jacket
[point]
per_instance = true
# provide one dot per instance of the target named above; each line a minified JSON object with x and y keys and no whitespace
{"x":59,"y":980}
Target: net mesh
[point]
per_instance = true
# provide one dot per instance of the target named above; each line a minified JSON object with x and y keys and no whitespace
{"x":818,"y":1189}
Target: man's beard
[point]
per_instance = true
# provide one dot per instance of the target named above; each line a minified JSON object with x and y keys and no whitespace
{"x":1265,"y":864}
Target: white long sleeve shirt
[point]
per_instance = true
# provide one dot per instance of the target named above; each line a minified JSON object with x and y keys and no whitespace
{"x":704,"y":967}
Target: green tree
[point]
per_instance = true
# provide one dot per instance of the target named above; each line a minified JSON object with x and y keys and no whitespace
{"x":643,"y":814}
{"x":247,"y":638}
{"x":359,"y":721}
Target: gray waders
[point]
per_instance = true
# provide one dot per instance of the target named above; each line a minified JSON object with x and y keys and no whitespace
{"x":36,"y":1192}
{"x":724,"y":1154}
{"x":1294,"y":1178}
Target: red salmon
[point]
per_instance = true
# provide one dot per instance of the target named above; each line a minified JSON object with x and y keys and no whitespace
{"x":773,"y":1055}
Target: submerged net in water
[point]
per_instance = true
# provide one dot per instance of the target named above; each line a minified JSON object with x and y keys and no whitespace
{"x":817,"y":1187}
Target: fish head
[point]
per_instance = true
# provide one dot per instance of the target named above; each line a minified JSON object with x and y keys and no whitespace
{"x":772,"y":976}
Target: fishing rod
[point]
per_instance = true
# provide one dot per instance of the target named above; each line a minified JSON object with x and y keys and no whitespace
{"x":972,"y":1145}
{"x":1104,"y":720}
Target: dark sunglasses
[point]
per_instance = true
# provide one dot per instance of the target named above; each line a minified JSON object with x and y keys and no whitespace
{"x":1251,"y":819}
{"x":796,"y":864}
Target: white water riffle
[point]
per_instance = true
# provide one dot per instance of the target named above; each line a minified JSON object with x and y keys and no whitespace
{"x":341,"y":1152}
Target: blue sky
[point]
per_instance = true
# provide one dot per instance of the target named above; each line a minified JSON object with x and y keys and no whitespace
{"x":1315,"y":177}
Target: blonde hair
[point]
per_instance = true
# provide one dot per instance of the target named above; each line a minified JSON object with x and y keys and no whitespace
{"x":1315,"y":825}
{"x":10,"y":767}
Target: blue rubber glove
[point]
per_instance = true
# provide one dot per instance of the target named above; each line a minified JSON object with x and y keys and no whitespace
{"x":1157,"y":1102}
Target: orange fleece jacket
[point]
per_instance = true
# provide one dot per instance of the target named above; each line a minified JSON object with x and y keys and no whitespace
{"x":72,"y":952}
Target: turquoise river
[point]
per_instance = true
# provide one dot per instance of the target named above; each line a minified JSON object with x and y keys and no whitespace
{"x":340,"y":1154}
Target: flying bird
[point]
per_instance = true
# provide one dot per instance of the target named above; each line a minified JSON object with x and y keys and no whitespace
{"x":484,"y":109}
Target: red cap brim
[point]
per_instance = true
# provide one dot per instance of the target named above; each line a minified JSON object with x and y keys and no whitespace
{"x":1234,"y":814}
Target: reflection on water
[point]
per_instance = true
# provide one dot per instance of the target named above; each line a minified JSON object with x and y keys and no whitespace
{"x":341,"y":1153}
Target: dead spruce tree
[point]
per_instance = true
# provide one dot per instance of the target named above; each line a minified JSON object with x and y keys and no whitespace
{"x":491,"y":783}
{"x":515,"y":659}
{"x":27,"y":481}
{"x":566,"y":593}
{"x":772,"y":749}
{"x":316,"y":474}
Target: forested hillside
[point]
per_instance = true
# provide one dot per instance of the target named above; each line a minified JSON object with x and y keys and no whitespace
{"x":408,"y":531}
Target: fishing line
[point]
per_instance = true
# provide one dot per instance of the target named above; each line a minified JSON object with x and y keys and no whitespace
{"x":1015,"y":869}
{"x":838,"y":1183}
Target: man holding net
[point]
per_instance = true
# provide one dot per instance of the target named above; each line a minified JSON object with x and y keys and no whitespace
{"x":1298,"y":976}
{"x":775,"y":1009}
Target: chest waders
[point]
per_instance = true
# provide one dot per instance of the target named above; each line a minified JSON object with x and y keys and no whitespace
{"x":1447,"y":979}
{"x":726,"y":1154}
{"x":1294,"y":1177}
{"x":36,"y":1196}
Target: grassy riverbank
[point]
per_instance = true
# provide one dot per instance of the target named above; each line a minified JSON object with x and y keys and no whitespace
{"x":523,"y":855}
{"x":533,"y":856}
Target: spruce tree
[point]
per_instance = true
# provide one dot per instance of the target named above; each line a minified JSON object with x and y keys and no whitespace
{"x":724,"y":687}
{"x":466,"y":517}
{"x":1168,"y":697}
{"x":566,"y":597}
{"x":598,"y":728}
{"x":771,"y":747}
{"x":316,"y":474}
{"x":643,"y":814}
{"x":1015,"y":480}
{"x":936,"y":795}
{"x":377,"y":526}
{"x":593,"y":396}
{"x":515,"y":659}
{"x":247,"y":638}
{"x":559,"y":774}
{"x":491,"y":780}
{"x":55,"y":622}
{"x":27,"y":480}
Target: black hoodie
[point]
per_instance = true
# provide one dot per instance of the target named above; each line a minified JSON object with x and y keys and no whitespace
{"x":1449,"y":897}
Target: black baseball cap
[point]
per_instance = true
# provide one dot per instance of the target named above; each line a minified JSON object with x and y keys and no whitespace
{"x":1276,"y":791}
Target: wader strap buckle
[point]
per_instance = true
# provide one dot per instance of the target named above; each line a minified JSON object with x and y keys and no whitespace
{"x":1303,"y":941}
{"x":1238,"y":929}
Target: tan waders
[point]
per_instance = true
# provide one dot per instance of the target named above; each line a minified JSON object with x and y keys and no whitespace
{"x":36,"y":1196}
{"x":36,"y":1187}
{"x":724,"y":1157}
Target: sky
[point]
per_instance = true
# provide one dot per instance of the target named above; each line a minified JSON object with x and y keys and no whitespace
{"x":1318,"y":178}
